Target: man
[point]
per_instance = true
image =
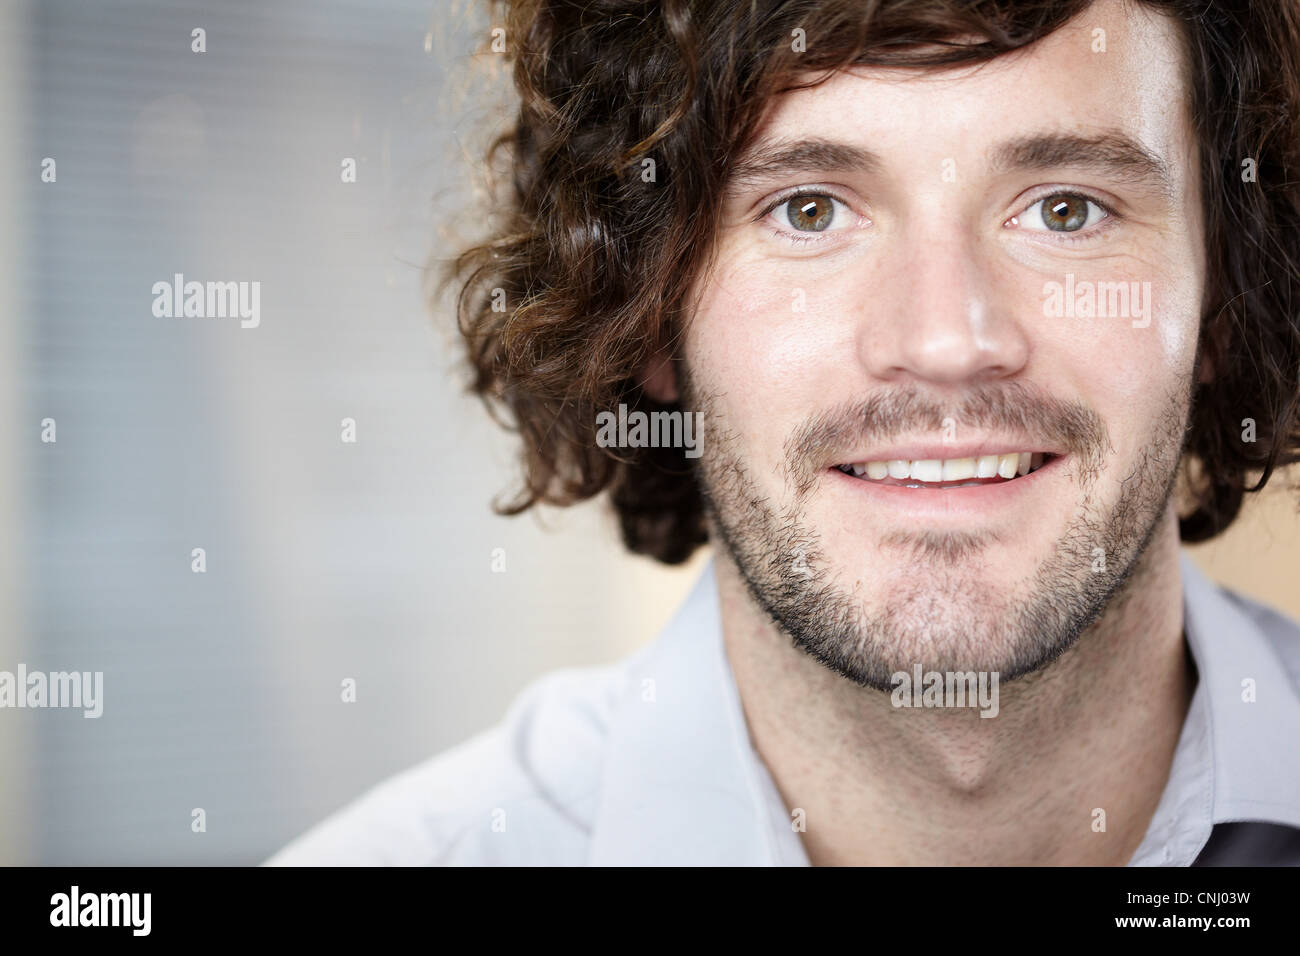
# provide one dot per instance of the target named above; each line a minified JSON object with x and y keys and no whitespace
{"x":955,"y":294}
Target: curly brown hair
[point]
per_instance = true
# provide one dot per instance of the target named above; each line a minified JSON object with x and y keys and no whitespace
{"x":584,"y":280}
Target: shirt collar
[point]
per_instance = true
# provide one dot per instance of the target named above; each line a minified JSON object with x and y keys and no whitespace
{"x":1234,"y":758}
{"x":682,"y":783}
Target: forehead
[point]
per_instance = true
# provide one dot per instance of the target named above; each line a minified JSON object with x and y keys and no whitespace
{"x":1118,"y":66}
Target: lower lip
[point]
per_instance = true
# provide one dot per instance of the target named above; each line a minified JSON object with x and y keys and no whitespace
{"x":942,"y":502}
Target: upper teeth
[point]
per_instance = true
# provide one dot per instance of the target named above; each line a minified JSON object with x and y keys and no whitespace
{"x":1007,"y":465}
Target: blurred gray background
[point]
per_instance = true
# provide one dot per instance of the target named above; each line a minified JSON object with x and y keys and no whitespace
{"x":325,"y":560}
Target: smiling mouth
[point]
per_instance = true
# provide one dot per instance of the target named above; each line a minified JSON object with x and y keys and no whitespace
{"x":938,"y":474}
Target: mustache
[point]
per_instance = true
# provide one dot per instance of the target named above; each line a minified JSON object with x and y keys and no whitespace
{"x":1014,"y":407}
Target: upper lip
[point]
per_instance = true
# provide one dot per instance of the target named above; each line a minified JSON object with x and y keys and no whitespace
{"x":946,"y":451}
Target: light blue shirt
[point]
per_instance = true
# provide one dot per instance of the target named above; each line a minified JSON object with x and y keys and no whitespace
{"x":649,"y":762}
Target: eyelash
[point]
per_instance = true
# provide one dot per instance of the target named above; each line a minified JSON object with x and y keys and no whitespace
{"x":1081,"y":236}
{"x":796,"y":238}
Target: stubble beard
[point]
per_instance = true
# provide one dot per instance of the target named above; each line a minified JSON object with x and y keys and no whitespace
{"x":942,"y":615}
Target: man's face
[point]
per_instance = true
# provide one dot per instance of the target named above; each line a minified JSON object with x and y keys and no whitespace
{"x":995,"y":261}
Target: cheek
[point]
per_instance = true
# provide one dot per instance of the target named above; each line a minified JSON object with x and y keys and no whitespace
{"x":1150,"y":362}
{"x":775,"y":345}
{"x":1177,"y":326}
{"x":1126,"y":368}
{"x":759,"y":341}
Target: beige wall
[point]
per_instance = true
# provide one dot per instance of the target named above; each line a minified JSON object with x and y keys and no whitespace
{"x":1260,"y":554}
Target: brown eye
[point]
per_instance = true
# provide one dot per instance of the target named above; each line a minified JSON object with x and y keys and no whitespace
{"x":810,"y":213}
{"x":1064,"y":213}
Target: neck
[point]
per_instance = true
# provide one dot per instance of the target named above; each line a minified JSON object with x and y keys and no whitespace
{"x":1096,"y":730}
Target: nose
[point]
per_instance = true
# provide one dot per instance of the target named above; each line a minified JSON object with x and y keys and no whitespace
{"x":938,"y":319}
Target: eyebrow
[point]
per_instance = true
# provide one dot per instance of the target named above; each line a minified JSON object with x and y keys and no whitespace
{"x":789,"y":157}
{"x":1111,"y":152}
